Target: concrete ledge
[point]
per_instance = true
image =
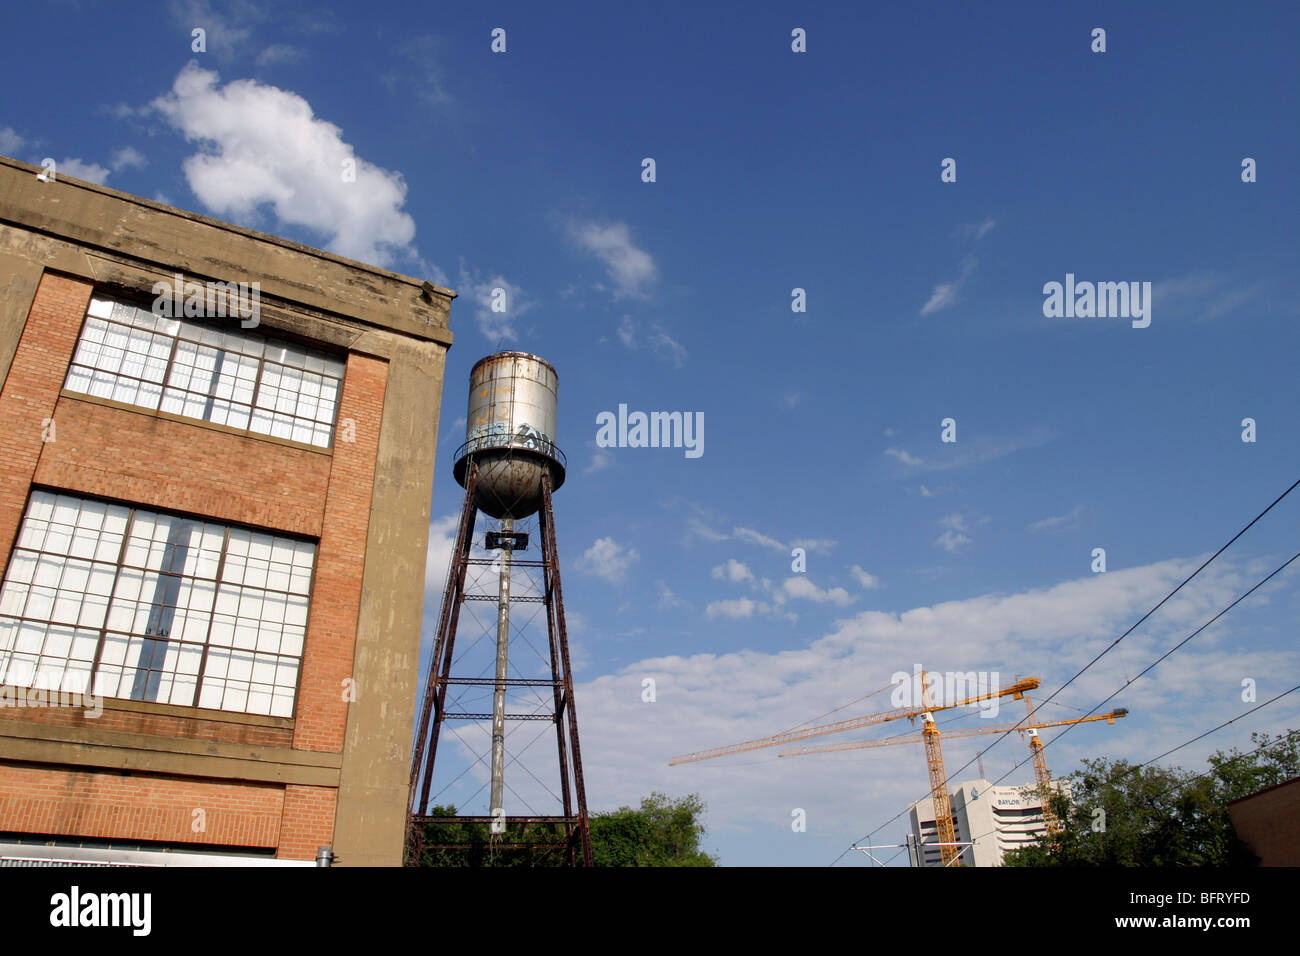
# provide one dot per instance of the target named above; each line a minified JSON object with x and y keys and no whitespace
{"x":118,"y":750}
{"x":160,"y":236}
{"x":196,"y":713}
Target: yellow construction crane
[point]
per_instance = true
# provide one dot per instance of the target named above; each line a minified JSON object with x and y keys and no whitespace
{"x":1039,"y":759}
{"x":1016,"y":690}
{"x":948,"y":849}
{"x":933,"y":750}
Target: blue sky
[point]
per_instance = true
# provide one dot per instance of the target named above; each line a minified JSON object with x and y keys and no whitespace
{"x":778,"y":170}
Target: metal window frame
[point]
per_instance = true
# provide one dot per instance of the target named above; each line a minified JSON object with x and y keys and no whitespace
{"x":181,"y":336}
{"x":104,"y":630}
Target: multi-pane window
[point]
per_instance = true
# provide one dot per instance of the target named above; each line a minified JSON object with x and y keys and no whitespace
{"x":232,"y":377}
{"x":153,"y":606}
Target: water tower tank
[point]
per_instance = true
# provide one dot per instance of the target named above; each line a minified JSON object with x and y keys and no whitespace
{"x":510,"y":433}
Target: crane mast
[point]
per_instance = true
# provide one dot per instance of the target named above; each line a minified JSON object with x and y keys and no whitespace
{"x":939,"y":796}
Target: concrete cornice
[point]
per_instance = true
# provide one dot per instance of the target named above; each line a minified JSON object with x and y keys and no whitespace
{"x":92,"y":748}
{"x":164,"y":238}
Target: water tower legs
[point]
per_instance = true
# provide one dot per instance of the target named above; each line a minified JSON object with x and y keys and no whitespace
{"x":569,"y":832}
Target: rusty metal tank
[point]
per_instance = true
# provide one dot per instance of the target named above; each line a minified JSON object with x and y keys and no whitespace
{"x":510,"y":433}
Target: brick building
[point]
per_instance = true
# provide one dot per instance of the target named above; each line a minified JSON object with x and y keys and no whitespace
{"x":214,"y":520}
{"x":1268,"y":821}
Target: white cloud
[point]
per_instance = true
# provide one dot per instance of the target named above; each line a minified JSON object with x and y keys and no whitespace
{"x":952,"y":541}
{"x":976,"y":231}
{"x":667,"y":348}
{"x":944,"y":295}
{"x":128,"y":157}
{"x":865,"y":580}
{"x":737,"y":608}
{"x":802,"y":587}
{"x":1204,"y":295}
{"x":908,"y":459}
{"x":955,"y":522}
{"x":1053,"y":522}
{"x":442,"y":540}
{"x":79,"y":168}
{"x":1049,"y":633}
{"x":697,"y":528}
{"x":261,"y":146}
{"x":955,"y":536}
{"x":734,"y":571}
{"x":10,"y":141}
{"x":494,"y":326}
{"x":660,"y":342}
{"x":121,"y":111}
{"x":815,"y":545}
{"x":422,"y":72}
{"x":608,"y":559}
{"x":668,"y":599}
{"x":226,"y":34}
{"x":973,"y":451}
{"x":629,"y":267}
{"x":757,"y":537}
{"x":926,"y":491}
{"x":280,"y":54}
{"x":601,"y":460}
{"x":627,"y":332}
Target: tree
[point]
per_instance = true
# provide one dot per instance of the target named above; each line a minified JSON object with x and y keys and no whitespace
{"x":477,"y":849}
{"x":663,"y":832}
{"x":1118,"y":814}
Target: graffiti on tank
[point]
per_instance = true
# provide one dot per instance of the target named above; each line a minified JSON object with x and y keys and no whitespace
{"x":525,"y":436}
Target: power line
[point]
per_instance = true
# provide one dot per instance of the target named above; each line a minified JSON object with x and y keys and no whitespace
{"x":1166,"y":598}
{"x":837,"y":709}
{"x":1158,"y":660}
{"x":1216,"y":617}
{"x":1220,"y":727}
{"x":1188,"y":782}
{"x":1112,"y":646}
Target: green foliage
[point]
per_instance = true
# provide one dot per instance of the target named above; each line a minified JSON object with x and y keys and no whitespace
{"x":1118,"y":814}
{"x":1238,"y":775}
{"x":479,"y":850}
{"x":663,"y":832}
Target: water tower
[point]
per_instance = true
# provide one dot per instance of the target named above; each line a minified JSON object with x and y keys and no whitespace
{"x":509,"y":467}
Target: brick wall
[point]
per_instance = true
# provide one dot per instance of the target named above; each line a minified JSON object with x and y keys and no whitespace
{"x":178,"y":466}
{"x":62,"y":802}
{"x":156,"y":462}
{"x":336,"y":595}
{"x":308,"y":821}
{"x":32,"y":388}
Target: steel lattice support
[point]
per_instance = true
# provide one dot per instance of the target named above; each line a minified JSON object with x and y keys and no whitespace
{"x":948,"y":849}
{"x":570,"y":830}
{"x":1042,"y":777}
